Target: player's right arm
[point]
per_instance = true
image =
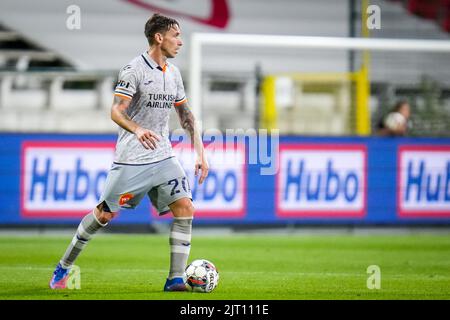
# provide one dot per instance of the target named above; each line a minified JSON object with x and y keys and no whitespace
{"x":119,"y":115}
{"x":123,"y":95}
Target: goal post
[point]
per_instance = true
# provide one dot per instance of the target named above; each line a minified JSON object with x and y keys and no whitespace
{"x":199,"y":41}
{"x":358,"y":80}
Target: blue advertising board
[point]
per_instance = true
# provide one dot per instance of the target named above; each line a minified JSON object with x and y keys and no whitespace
{"x":58,"y":178}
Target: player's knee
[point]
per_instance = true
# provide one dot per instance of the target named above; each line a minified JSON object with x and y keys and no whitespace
{"x":102,"y":215}
{"x":186,"y":209}
{"x":183,"y":208}
{"x":106,"y":217}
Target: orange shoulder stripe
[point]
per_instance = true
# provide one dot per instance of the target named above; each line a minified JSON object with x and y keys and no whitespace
{"x":122,"y":96}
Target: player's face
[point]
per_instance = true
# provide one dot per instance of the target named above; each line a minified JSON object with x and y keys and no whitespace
{"x":171,"y":42}
{"x":405,"y":110}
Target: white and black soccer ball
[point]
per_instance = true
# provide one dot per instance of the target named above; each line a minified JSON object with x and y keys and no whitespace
{"x":202,"y":276}
{"x":394,"y":121}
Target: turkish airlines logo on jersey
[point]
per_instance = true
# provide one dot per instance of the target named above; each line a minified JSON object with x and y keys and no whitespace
{"x":217,"y":12}
{"x":160,"y":101}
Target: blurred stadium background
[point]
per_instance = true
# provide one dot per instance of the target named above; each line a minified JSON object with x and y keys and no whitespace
{"x":57,"y":139}
{"x":57,"y":82}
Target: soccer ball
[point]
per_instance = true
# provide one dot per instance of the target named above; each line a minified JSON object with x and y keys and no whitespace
{"x":202,"y":276}
{"x":394,"y":121}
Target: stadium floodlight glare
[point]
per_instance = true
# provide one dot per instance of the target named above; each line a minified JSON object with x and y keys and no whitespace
{"x":198,"y":40}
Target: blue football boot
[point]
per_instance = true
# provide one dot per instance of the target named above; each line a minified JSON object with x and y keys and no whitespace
{"x":59,"y":278}
{"x":175,"y":284}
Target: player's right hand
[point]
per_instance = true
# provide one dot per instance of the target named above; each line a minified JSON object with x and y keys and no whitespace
{"x":147,"y":137}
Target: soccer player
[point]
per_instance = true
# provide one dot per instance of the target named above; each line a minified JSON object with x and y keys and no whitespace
{"x":146,"y":90}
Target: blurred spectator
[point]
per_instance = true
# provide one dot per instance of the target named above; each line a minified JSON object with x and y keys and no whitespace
{"x":395,"y":123}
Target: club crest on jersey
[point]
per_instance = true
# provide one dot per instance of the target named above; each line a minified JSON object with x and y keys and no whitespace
{"x":124,"y":198}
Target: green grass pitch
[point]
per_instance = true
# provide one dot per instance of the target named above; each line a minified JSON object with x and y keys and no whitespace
{"x":263,"y":267}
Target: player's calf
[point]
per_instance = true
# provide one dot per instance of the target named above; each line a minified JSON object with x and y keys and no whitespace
{"x":90,"y":224}
{"x":180,"y":243}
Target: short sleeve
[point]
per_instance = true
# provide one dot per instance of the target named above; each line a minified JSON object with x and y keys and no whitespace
{"x":181,"y":95}
{"x":126,"y":83}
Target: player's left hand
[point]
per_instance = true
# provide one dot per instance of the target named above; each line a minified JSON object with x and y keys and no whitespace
{"x":201,"y":164}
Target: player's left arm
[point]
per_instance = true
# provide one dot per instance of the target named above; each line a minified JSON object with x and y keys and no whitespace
{"x":187,"y":122}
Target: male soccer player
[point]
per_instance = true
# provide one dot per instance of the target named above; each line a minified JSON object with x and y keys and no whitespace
{"x":146,"y":90}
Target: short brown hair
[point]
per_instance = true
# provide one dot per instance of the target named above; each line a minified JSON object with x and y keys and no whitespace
{"x":399,"y":104}
{"x":158,"y":24}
